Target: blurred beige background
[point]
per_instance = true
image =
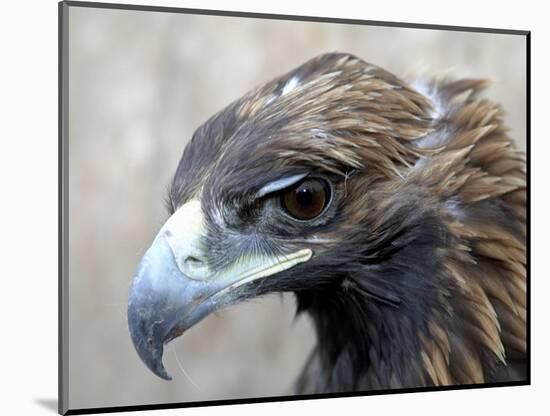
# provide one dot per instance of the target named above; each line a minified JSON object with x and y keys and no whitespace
{"x":140,"y":83}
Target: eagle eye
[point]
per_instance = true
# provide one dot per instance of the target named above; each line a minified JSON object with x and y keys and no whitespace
{"x":307,"y":199}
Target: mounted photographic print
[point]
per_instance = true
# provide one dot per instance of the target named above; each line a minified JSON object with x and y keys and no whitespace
{"x":267,"y":208}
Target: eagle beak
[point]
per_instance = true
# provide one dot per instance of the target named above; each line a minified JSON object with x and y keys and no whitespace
{"x":174,"y":287}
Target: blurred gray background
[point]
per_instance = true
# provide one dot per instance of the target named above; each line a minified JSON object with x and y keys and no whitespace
{"x":140,"y":83}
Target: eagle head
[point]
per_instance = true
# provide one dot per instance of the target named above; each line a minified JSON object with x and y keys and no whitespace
{"x":394,"y":211}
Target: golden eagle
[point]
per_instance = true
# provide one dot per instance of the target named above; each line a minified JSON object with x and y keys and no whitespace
{"x":394,"y":211}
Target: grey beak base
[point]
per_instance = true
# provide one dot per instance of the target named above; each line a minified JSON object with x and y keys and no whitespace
{"x":163,"y":303}
{"x":159,"y":298}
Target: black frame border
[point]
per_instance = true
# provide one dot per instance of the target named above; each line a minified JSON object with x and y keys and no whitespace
{"x":63,"y":171}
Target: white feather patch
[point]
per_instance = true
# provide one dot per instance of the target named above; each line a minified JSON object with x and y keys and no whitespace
{"x":290,"y":85}
{"x":430,"y":92}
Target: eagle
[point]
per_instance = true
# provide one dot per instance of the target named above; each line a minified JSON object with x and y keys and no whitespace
{"x":394,"y":211}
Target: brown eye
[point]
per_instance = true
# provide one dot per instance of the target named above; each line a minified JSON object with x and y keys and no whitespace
{"x":306,"y":200}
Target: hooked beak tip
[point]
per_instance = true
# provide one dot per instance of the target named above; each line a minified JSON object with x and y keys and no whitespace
{"x":149,"y":350}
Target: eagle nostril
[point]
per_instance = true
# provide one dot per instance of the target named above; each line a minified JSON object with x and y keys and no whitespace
{"x":195,"y":267}
{"x":193,"y":261}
